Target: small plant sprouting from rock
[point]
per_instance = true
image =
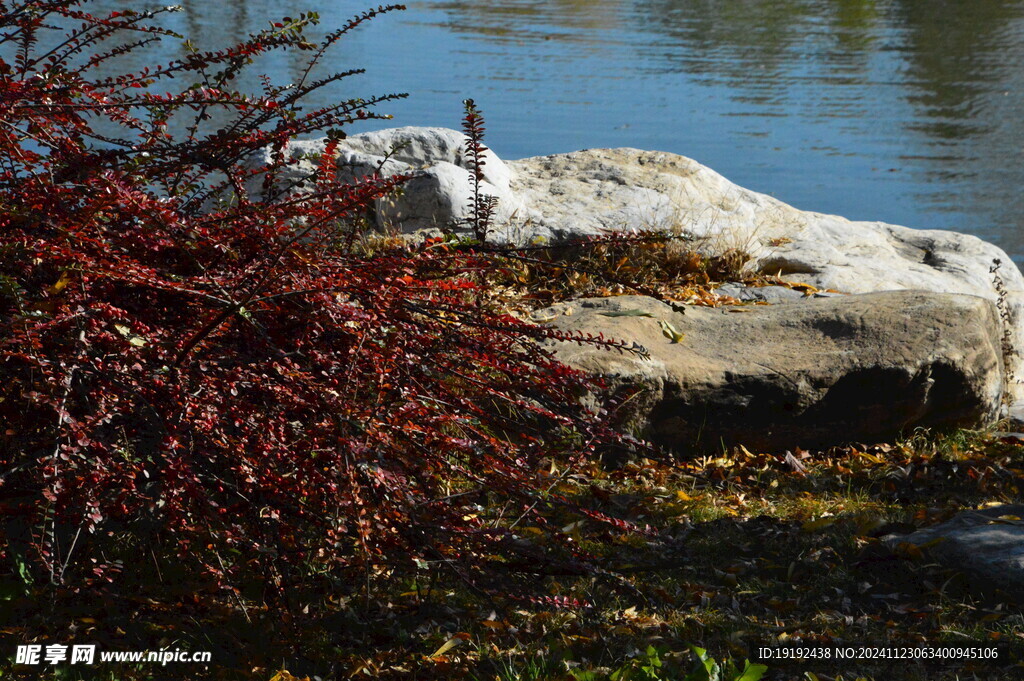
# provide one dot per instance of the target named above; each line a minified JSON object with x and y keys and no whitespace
{"x":481,"y":205}
{"x":1006,"y":340}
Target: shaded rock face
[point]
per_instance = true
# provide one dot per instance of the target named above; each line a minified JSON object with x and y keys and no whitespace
{"x":812,"y":373}
{"x":986,"y":545}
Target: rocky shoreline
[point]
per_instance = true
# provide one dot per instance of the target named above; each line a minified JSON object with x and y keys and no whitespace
{"x":942,"y":352}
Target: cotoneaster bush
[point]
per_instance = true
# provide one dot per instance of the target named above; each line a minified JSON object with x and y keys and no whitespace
{"x":219,"y":383}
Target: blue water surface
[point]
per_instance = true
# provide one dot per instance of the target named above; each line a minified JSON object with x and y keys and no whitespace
{"x":906,"y":111}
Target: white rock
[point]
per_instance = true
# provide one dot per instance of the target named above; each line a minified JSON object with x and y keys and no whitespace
{"x":424,"y":147}
{"x":438,"y":195}
{"x":589,"y":192}
{"x":435,"y":197}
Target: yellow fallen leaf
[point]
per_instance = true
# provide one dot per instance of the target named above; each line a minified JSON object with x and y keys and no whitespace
{"x":870,"y":457}
{"x":455,"y":640}
{"x":745,"y":452}
{"x":671,"y":332}
{"x":806,"y":289}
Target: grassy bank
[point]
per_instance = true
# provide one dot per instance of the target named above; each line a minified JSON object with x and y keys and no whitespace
{"x":744,"y":548}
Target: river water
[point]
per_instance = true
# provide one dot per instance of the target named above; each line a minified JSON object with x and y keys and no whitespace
{"x":906,"y":111}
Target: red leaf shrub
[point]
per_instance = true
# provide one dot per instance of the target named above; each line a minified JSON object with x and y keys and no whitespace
{"x":242,"y":387}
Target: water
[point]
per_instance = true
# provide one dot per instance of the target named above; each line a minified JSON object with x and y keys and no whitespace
{"x":906,"y":111}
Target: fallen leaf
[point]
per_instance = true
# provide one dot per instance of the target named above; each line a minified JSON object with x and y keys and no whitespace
{"x":670,"y":331}
{"x":491,"y":624}
{"x":806,"y":289}
{"x":794,"y":463}
{"x":626,"y":313}
{"x":455,"y":640}
{"x":870,"y":457}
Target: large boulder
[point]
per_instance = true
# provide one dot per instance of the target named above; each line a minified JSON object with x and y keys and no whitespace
{"x":593,"y":191}
{"x":810,"y":373}
{"x":585,"y":193}
{"x":986,"y":545}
